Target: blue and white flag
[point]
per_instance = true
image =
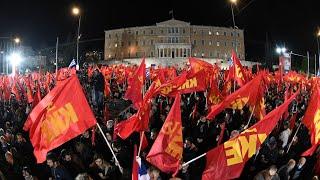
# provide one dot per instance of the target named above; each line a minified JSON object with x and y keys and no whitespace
{"x":147,"y":73}
{"x":143,"y":174}
{"x":72,"y":63}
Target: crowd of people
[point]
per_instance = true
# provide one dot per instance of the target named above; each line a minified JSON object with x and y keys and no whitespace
{"x":88,"y":157}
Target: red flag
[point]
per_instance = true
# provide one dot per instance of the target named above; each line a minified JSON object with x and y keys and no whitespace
{"x":166,"y":151}
{"x":144,"y":142}
{"x":60,"y":116}
{"x":135,"y":165}
{"x":183,"y":84}
{"x":37,"y":97}
{"x":228,"y":159}
{"x":135,"y":85}
{"x":139,"y":121}
{"x":250,"y":94}
{"x":16,"y":92}
{"x":240,"y":75}
{"x":29,"y":91}
{"x":223,"y":127}
{"x":214,"y":96}
{"x":312,"y":120}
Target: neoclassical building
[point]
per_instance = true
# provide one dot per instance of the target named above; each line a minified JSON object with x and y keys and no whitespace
{"x":173,"y":39}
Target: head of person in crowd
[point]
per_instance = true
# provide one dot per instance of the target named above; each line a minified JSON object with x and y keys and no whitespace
{"x":52,"y":160}
{"x":9,"y":157}
{"x":66,"y":155}
{"x":272,"y":170}
{"x":154,"y":173}
{"x":83,"y":176}
{"x":20,"y":138}
{"x":86,"y":134}
{"x":26,"y":173}
{"x":153,"y":134}
{"x":291,"y":164}
{"x":1,"y":132}
{"x":109,"y":136}
{"x":302,"y":161}
{"x":116,"y":147}
{"x":110,"y":124}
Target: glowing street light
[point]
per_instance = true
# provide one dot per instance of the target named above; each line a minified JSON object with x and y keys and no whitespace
{"x":17,"y":40}
{"x":75,"y":11}
{"x":281,"y":50}
{"x":234,"y":1}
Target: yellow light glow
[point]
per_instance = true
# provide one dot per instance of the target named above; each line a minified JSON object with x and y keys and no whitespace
{"x":75,"y":11}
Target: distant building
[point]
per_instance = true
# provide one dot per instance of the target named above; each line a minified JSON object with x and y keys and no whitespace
{"x":173,"y":39}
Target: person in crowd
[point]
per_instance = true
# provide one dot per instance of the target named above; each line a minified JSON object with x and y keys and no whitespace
{"x":83,"y":176}
{"x":284,"y":135}
{"x":71,"y":162}
{"x":268,"y":174}
{"x":101,"y":169}
{"x":298,"y":170}
{"x":285,"y":170}
{"x":26,"y":173}
{"x":58,"y":172}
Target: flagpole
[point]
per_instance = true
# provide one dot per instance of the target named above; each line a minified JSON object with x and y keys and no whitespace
{"x":140,"y":144}
{"x":295,"y":134}
{"x":105,"y":138}
{"x":254,"y":107}
{"x":194,"y":159}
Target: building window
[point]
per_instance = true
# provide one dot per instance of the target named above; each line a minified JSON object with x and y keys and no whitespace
{"x":194,"y":32}
{"x":218,"y":43}
{"x":137,"y":43}
{"x":144,"y":32}
{"x":136,"y":54}
{"x":161,"y":31}
{"x":151,"y":42}
{"x":194,"y":42}
{"x":217,"y":33}
{"x":109,"y":35}
{"x":231,"y":34}
{"x":137,"y":32}
{"x":225,"y":43}
{"x":232,"y":44}
{"x":116,"y":35}
{"x":122,"y":43}
{"x":116,"y":45}
{"x":239,"y":45}
{"x":238,"y":34}
{"x":169,"y":30}
{"x":177,"y":30}
{"x":183,"y":31}
{"x":161,"y":41}
{"x":225,"y":33}
{"x":151,"y":54}
{"x":210,"y":33}
{"x":151,"y":32}
{"x":210,"y":43}
{"x":202,"y":42}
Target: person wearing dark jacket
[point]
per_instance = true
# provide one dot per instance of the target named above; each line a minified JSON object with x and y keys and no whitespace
{"x":58,"y":172}
{"x":285,"y":170}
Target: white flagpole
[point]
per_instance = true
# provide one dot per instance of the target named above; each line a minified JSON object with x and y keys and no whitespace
{"x":194,"y":159}
{"x":105,"y":138}
{"x":295,"y":134}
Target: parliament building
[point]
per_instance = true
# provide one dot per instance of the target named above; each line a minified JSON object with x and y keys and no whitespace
{"x":173,"y":39}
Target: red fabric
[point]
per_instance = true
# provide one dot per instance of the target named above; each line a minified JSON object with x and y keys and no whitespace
{"x":61,"y":115}
{"x":250,"y":94}
{"x":240,"y":74}
{"x":214,"y":96}
{"x":223,"y":127}
{"x":228,"y":159}
{"x":135,"y":85}
{"x":183,"y":84}
{"x":312,"y":120}
{"x":29,"y":91}
{"x":144,"y":142}
{"x":16,"y":92}
{"x":139,"y":121}
{"x":37,"y":97}
{"x":166,"y":151}
{"x":135,"y":165}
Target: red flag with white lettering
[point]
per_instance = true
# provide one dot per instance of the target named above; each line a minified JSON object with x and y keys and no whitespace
{"x":61,"y":115}
{"x":228,"y":159}
{"x":167,"y":149}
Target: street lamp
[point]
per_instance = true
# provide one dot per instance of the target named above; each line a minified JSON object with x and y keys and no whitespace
{"x":281,"y":50}
{"x":76,"y":12}
{"x":17,"y":40}
{"x":233,"y":3}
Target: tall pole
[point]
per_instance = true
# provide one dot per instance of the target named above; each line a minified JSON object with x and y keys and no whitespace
{"x":234,"y":28}
{"x":315,"y":64}
{"x":57,"y":46}
{"x":318,"y":51}
{"x":308,"y":63}
{"x":78,"y":39}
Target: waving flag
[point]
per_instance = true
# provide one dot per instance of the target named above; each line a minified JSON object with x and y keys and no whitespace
{"x":167,"y":149}
{"x":72,"y":63}
{"x":228,"y":159}
{"x":135,"y":85}
{"x":312,"y":120}
{"x":240,"y":75}
{"x":60,"y":116}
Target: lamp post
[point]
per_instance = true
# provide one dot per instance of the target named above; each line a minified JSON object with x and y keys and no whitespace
{"x":233,"y":3}
{"x":76,"y":12}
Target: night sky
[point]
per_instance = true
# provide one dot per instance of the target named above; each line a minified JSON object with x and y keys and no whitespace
{"x":290,"y":22}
